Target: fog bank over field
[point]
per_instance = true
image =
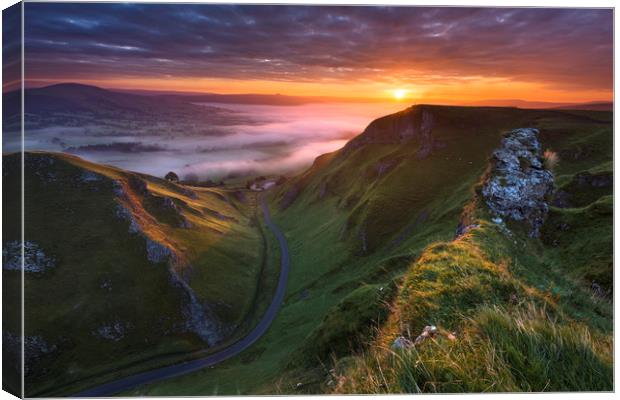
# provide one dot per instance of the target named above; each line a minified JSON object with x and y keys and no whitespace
{"x":266,"y":140}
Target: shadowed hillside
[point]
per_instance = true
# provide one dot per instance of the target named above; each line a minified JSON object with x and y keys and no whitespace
{"x":123,"y":271}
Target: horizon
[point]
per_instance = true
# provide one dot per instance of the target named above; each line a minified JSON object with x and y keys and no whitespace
{"x":407,"y":102}
{"x":421,"y":54}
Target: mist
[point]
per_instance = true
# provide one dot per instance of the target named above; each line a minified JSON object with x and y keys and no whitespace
{"x":268,"y":140}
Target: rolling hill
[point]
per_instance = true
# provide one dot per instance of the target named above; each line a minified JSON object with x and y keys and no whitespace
{"x":125,"y":271}
{"x":390,"y":234}
{"x":71,"y":105}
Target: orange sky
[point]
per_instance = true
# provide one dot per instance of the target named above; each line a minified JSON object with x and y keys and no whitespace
{"x":431,"y":54}
{"x":468,"y":90}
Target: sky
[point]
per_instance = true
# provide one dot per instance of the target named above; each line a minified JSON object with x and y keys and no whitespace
{"x":413,"y":53}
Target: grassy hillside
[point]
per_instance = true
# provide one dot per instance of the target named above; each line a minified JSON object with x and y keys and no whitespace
{"x":370,"y":230}
{"x":135,"y":272}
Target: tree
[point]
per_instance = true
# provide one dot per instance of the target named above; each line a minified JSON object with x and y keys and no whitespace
{"x":172,"y":177}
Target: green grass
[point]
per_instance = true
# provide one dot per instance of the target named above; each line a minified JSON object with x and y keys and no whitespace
{"x":348,"y":326}
{"x":512,"y":334}
{"x":501,"y":350}
{"x":351,"y":230}
{"x":102,"y":275}
{"x":414,"y":204}
{"x":582,"y":240}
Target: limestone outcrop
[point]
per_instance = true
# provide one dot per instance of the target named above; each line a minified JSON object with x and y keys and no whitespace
{"x":518,"y":186}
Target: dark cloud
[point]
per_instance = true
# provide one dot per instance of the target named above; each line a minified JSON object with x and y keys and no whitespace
{"x":562,"y":47}
{"x":117,"y":147}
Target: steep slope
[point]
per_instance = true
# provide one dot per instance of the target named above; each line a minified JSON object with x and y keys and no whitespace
{"x":124,"y":271}
{"x":365,"y":218}
{"x":493,"y":309}
{"x":403,"y":166}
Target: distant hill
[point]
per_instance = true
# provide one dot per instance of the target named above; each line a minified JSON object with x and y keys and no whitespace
{"x":596,"y":106}
{"x":80,"y":98}
{"x":593,"y":106}
{"x":250,"y":98}
{"x":105,"y":112}
{"x":515,"y":103}
{"x":70,"y":95}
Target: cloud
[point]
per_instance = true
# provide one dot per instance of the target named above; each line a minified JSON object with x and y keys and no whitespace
{"x":561,"y":47}
{"x":120,"y":147}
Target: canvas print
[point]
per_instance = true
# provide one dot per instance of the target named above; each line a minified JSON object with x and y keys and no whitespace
{"x":226,"y":199}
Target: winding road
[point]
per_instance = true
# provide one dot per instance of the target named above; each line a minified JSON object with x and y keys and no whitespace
{"x":186,"y":367}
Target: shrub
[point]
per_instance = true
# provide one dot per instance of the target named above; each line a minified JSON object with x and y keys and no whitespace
{"x":172,"y":177}
{"x":550,"y":159}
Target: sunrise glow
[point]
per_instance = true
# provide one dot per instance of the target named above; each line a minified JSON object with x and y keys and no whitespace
{"x":399,"y":94}
{"x":458,"y":60}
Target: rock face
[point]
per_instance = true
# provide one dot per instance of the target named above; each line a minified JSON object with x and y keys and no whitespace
{"x":416,"y":122}
{"x":199,"y":316}
{"x":157,"y":252}
{"x":35,"y":260}
{"x":518,"y":186}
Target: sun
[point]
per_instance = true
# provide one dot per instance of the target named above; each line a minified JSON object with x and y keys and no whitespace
{"x":399,"y":94}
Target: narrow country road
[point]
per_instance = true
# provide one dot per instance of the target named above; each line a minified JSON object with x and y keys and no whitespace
{"x":186,"y":367}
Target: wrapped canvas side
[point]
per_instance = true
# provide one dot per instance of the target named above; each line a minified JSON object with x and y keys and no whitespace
{"x":12,"y":192}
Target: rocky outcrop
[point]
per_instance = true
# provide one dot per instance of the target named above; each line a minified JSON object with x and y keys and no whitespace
{"x":518,"y":186}
{"x":401,"y":343}
{"x":157,"y":252}
{"x":35,"y":259}
{"x":114,"y":331}
{"x":462,"y":229}
{"x":123,"y":213}
{"x":199,"y":317}
{"x":416,"y":122}
{"x":35,"y":348}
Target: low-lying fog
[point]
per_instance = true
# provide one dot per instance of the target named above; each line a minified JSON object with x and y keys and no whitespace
{"x":279,"y":139}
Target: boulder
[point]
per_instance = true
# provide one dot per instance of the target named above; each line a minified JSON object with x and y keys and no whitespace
{"x":401,"y":343}
{"x":518,"y":186}
{"x":462,"y":229}
{"x":429,"y":331}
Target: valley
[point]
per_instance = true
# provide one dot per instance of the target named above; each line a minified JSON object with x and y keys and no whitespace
{"x":360,"y":232}
{"x":390,"y":234}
